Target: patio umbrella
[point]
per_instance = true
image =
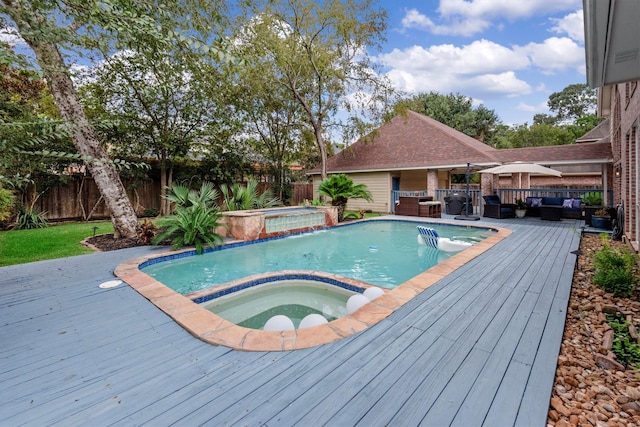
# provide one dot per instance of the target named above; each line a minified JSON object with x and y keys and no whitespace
{"x":520,"y":168}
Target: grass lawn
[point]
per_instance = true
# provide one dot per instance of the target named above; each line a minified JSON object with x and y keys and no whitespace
{"x":56,"y":241}
{"x":59,"y":241}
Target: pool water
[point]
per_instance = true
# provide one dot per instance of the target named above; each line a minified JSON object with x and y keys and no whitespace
{"x":383,"y":253}
{"x":295,"y":299}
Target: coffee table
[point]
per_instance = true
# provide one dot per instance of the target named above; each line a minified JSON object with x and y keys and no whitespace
{"x":550,"y":212}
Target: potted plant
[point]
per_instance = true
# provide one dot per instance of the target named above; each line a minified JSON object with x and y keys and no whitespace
{"x":592,"y":202}
{"x":521,"y":208}
{"x":601,"y":219}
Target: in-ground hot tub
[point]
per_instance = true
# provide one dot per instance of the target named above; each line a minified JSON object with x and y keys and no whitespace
{"x":297,"y":296}
{"x":261,"y":223}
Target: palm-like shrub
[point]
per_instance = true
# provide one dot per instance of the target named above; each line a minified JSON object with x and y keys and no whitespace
{"x":239,"y":198}
{"x":195,"y":219}
{"x":30,"y":218}
{"x":340,"y":188}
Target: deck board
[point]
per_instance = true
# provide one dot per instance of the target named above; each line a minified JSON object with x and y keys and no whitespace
{"x":477,"y":348}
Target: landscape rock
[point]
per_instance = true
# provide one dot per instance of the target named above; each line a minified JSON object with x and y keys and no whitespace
{"x":591,"y":387}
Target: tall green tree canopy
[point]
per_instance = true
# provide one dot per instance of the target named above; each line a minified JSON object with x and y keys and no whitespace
{"x":84,"y":28}
{"x":573,"y":102}
{"x":316,"y":52}
{"x":30,"y":127}
{"x":164,"y":105}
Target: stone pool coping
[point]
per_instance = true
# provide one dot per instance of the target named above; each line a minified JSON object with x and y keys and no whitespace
{"x":215,"y":330}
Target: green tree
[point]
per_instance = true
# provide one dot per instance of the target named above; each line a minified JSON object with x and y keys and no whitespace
{"x":90,"y":27}
{"x":164,"y":105}
{"x":314,"y":51}
{"x":275,"y":121}
{"x":540,"y":135}
{"x":340,"y":188}
{"x":30,"y":130}
{"x":573,"y":102}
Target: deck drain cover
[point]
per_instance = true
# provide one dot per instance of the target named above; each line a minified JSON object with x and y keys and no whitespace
{"x":110,"y":284}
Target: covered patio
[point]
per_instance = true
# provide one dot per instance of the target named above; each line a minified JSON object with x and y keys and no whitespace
{"x":477,"y":348}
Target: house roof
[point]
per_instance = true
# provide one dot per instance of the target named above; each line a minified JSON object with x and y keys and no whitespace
{"x":412,"y":141}
{"x":593,"y":152}
{"x":598,"y":133}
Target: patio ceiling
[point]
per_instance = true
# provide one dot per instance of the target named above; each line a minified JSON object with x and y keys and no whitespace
{"x":612,"y":41}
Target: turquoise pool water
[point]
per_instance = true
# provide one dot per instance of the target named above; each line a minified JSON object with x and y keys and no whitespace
{"x":382,"y":253}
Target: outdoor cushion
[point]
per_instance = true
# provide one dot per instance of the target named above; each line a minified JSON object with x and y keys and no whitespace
{"x":576,"y":203}
{"x":567,"y":203}
{"x":536,"y":202}
{"x":557,"y":201}
{"x":491,"y":200}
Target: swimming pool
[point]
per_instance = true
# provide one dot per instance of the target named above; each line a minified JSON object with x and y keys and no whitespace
{"x":381,"y":253}
{"x":215,"y":330}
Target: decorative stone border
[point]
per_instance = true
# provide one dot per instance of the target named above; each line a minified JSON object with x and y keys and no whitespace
{"x":215,"y":330}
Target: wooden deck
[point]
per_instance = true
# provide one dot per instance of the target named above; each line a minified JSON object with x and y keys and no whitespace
{"x":477,"y":348}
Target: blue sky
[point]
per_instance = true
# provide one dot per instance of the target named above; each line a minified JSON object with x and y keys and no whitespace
{"x":509,"y":55}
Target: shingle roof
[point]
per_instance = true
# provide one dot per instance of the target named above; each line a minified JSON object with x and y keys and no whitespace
{"x":412,"y":141}
{"x":598,"y":133}
{"x":415,"y":141}
{"x":593,"y":152}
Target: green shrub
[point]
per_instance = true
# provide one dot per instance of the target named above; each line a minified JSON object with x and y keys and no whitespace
{"x":7,"y":205}
{"x":616,"y":270}
{"x":592,"y":199}
{"x":239,"y":198}
{"x":195,"y":220}
{"x":150,"y":212}
{"x":625,"y":348}
{"x":30,"y":218}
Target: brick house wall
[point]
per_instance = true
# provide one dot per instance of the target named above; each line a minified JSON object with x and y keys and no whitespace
{"x":625,"y":119}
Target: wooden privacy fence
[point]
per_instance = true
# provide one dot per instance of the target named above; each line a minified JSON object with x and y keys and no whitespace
{"x":80,"y":200}
{"x":301,"y":191}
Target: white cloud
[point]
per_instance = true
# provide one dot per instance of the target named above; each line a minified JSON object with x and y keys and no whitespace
{"x":504,"y":8}
{"x":539,"y":108}
{"x":477,"y":69}
{"x":555,"y":54}
{"x":572,"y":25}
{"x":416,"y":20}
{"x":11,"y":37}
{"x":468,"y":17}
{"x":481,"y":56}
{"x":542,"y":88}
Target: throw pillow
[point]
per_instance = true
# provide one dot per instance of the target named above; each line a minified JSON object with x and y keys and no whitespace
{"x":567,"y":203}
{"x":536,"y":202}
{"x":576,"y":203}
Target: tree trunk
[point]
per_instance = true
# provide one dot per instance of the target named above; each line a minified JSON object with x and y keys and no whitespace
{"x":83,"y":135}
{"x":164,"y":203}
{"x":323,"y":151}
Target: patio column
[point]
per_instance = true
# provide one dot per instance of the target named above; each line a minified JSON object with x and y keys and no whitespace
{"x":520,"y":180}
{"x":486,"y":183}
{"x":432,"y":182}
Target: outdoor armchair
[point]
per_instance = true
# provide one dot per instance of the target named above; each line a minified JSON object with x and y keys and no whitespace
{"x":494,"y":208}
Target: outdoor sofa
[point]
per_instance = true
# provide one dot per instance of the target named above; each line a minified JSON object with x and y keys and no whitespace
{"x":571,"y":207}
